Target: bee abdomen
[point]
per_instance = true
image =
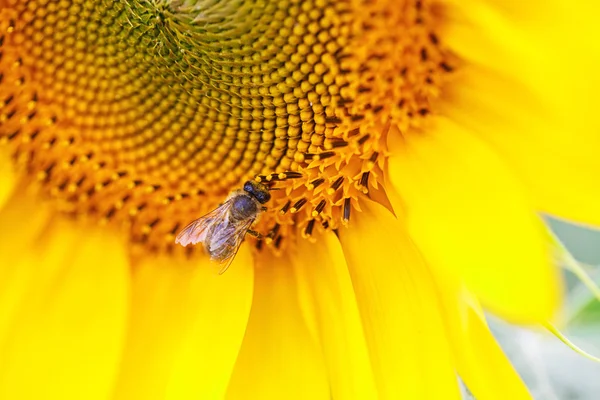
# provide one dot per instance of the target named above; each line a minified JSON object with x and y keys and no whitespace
{"x":222,"y":251}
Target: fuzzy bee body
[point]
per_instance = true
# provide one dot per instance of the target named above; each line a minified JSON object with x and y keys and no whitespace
{"x":222,"y":230}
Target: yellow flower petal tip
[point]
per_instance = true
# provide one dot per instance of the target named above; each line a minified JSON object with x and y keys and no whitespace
{"x":470,"y":216}
{"x":480,"y":361}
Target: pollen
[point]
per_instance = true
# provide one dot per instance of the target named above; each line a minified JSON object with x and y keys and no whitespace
{"x":147,"y":114}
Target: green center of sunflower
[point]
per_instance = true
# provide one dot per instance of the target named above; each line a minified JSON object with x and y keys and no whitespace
{"x":148,"y":113}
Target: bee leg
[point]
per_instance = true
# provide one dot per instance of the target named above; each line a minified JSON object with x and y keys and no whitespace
{"x":263,"y":208}
{"x":255,"y":234}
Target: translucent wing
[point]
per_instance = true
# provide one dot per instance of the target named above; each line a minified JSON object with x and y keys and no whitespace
{"x":197,"y":230}
{"x":233,"y":243}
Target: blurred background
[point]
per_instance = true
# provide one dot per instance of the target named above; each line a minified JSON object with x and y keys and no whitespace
{"x":551,"y":369}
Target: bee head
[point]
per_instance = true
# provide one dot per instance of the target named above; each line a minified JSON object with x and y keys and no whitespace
{"x":257,"y":190}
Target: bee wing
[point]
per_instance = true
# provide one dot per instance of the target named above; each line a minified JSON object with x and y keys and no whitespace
{"x":197,"y":230}
{"x":237,"y":237}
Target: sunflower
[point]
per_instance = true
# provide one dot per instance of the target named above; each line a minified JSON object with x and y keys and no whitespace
{"x":410,"y":144}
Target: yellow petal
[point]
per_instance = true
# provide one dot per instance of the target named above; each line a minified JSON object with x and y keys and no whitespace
{"x":520,"y":40}
{"x":528,"y":89}
{"x":186,"y":326}
{"x":7,"y":176}
{"x":23,"y":217}
{"x":63,"y":312}
{"x":279,"y":357}
{"x":330,"y":305}
{"x":400,"y":309}
{"x":468,"y":214}
{"x":482,"y":365}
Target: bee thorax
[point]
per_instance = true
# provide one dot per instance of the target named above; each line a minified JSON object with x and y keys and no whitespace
{"x":244,"y":207}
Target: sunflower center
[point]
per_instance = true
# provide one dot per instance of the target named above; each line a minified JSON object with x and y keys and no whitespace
{"x":148,"y":113}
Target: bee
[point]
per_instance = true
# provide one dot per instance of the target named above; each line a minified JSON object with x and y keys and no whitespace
{"x":222,"y":230}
